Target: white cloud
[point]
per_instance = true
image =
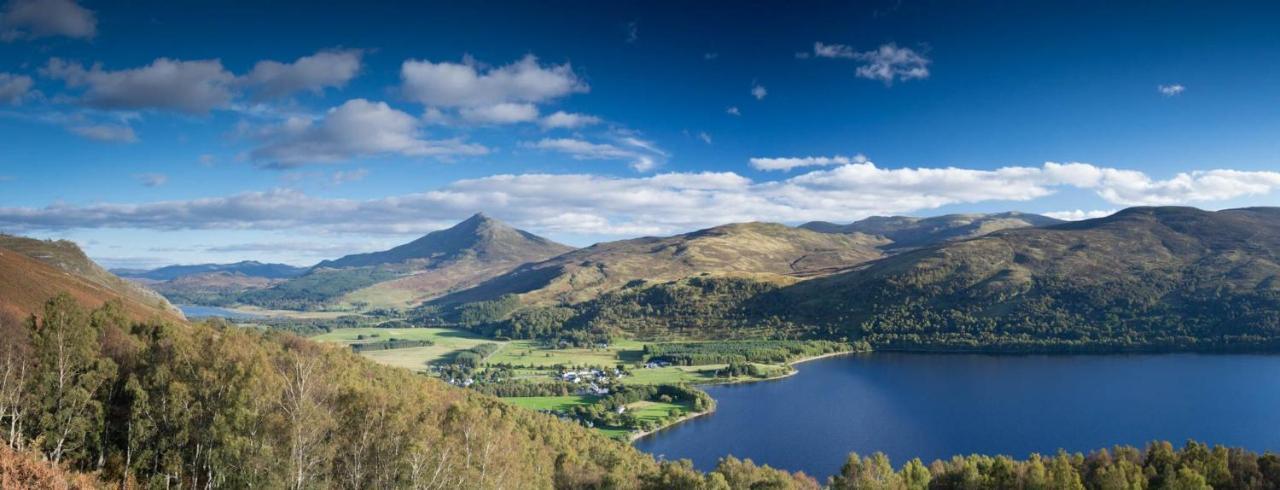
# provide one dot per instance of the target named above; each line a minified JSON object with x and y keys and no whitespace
{"x":706,"y":138}
{"x":194,"y":87}
{"x":733,"y":111}
{"x":1080,"y":214}
{"x":152,"y":179}
{"x":356,"y":128}
{"x":344,"y":176}
{"x":888,"y":63}
{"x":111,"y":133}
{"x":314,"y":73}
{"x":1171,"y":90}
{"x":758,"y":91}
{"x":568,"y":120}
{"x":14,"y":88}
{"x":788,"y":163}
{"x":469,"y":84}
{"x":504,"y":113}
{"x":633,"y":32}
{"x":642,"y":155}
{"x":710,"y":56}
{"x":658,"y":204}
{"x":31,"y":19}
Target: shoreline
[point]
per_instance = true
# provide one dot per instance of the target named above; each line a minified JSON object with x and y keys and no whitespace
{"x":792,"y":372}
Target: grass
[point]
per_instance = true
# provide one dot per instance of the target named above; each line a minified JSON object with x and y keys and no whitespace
{"x":447,"y":341}
{"x":673,"y":375}
{"x":553,"y":403}
{"x":531,"y":353}
{"x":650,"y":410}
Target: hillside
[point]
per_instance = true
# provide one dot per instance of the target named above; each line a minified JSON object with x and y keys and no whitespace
{"x":910,"y":232}
{"x":247,"y":268}
{"x":472,"y":251}
{"x":33,"y":270}
{"x":1142,"y":278}
{"x":765,"y":251}
{"x":210,"y":288}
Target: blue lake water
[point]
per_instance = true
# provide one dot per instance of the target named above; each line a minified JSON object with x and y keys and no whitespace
{"x":197,"y":311}
{"x":935,"y":406}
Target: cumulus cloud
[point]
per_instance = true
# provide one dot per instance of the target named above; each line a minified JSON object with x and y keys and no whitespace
{"x":356,"y":128}
{"x":314,"y":73}
{"x":504,"y":113}
{"x":758,"y":91}
{"x":14,"y":88}
{"x":788,"y":163}
{"x":31,"y":19}
{"x":1080,"y":214}
{"x":111,"y":133}
{"x":733,"y":111}
{"x":568,"y":120}
{"x":888,"y":63}
{"x":469,"y":84}
{"x":658,"y":204}
{"x":152,"y":179}
{"x":706,"y":138}
{"x":642,"y":155}
{"x":1170,"y":90}
{"x":193,"y":87}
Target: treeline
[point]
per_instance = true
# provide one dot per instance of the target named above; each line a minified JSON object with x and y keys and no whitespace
{"x":473,"y":357}
{"x":726,"y":352}
{"x":315,"y":289}
{"x":159,"y":405}
{"x":390,"y":344}
{"x":1194,"y":467}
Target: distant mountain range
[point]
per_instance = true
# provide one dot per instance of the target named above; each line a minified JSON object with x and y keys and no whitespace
{"x":248,"y":268}
{"x":32,"y":271}
{"x":909,"y":232}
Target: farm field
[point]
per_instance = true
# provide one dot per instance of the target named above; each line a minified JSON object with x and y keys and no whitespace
{"x":447,"y":341}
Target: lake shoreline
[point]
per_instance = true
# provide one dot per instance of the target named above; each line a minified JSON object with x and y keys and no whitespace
{"x":791,"y":372}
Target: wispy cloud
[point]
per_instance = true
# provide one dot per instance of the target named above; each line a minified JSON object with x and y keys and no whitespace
{"x":888,"y":63}
{"x":1171,"y":89}
{"x":111,"y":133}
{"x":758,"y":91}
{"x":669,"y":202}
{"x":152,"y":179}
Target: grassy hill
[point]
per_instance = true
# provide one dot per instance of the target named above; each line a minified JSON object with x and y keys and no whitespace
{"x":910,"y":232}
{"x":766,"y":251}
{"x":33,"y":270}
{"x":1143,"y":278}
{"x":442,"y":261}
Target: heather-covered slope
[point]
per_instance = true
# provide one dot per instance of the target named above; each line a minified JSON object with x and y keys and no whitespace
{"x":909,"y":232}
{"x":442,"y":261}
{"x":763,"y":250}
{"x":33,"y":270}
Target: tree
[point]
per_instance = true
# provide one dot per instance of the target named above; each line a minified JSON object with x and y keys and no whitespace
{"x":71,"y":371}
{"x":15,"y":369}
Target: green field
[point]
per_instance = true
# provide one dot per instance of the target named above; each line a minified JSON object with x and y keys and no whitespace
{"x":531,"y":353}
{"x":447,"y":341}
{"x":649,"y":410}
{"x":554,"y":403}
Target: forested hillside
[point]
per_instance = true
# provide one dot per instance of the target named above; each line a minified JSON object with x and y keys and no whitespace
{"x":206,"y":405}
{"x":1144,"y":278}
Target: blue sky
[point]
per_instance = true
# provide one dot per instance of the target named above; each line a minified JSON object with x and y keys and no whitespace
{"x":154,"y":133}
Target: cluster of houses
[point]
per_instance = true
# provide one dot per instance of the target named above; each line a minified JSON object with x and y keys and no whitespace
{"x":595,"y":381}
{"x":656,"y":364}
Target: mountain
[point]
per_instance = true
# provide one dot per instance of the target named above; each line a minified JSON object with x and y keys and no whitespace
{"x":1142,"y":278}
{"x":32,"y":271}
{"x":248,"y":268}
{"x":210,"y":288}
{"x":910,"y":232}
{"x":466,"y":254}
{"x":765,"y":250}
